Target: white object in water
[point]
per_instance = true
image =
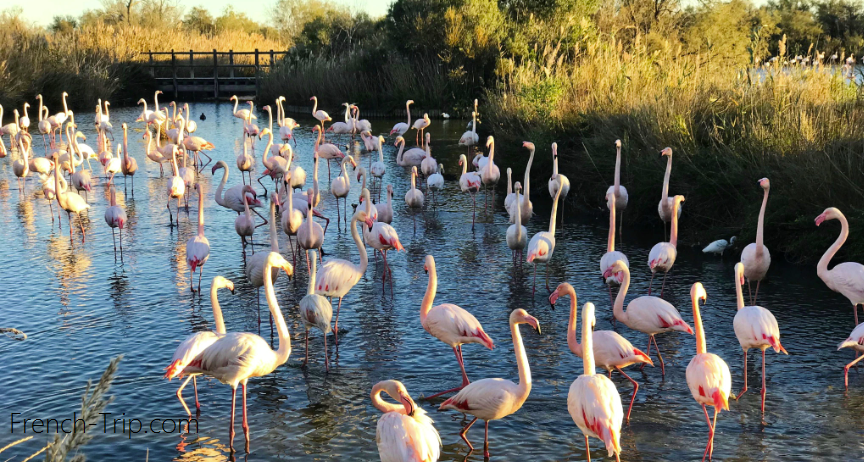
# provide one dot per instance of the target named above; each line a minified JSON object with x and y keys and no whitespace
{"x":717,"y":247}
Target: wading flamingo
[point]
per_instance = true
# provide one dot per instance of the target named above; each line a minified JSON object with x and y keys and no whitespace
{"x":517,"y":234}
{"x":232,"y":199}
{"x":611,"y":255}
{"x":129,"y":165}
{"x":856,"y":342}
{"x":664,"y":208}
{"x":494,"y":399}
{"x":414,"y":197}
{"x":327,"y":151}
{"x":511,"y":195}
{"x":341,"y":187}
{"x":318,"y":114}
{"x":755,"y":327}
{"x":241,"y":114}
{"x":470,"y":182}
{"x":663,"y":254}
{"x":428,"y":165}
{"x":420,"y":125}
{"x":593,"y":401}
{"x":176,"y":188}
{"x":542,"y":245}
{"x":708,"y":375}
{"x":197,"y":247}
{"x":450,"y":323}
{"x":381,"y":237}
{"x":401,"y":128}
{"x":21,"y":167}
{"x":310,"y":235}
{"x":237,"y":356}
{"x":316,"y":311}
{"x":69,"y":201}
{"x":196,"y":343}
{"x":558,"y":181}
{"x":340,"y":276}
{"x":755,"y":256}
{"x":115,"y":216}
{"x":435,"y":182}
{"x":245,"y":162}
{"x":470,"y":138}
{"x":527,"y":207}
{"x":256,"y":263}
{"x":405,"y":432}
{"x":196,"y":144}
{"x":846,"y":278}
{"x":378,"y":169}
{"x":244,"y":225}
{"x":410,"y":158}
{"x":385,"y":210}
{"x":647,"y":314}
{"x":611,"y":351}
{"x":490,"y":173}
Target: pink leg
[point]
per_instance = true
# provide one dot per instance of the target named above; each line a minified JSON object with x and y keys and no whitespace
{"x":764,"y":390}
{"x":231,"y":428}
{"x":336,"y":326}
{"x":745,"y":379}
{"x":635,"y":389}
{"x":458,"y":352}
{"x":245,"y":421}
{"x":474,"y":218}
{"x":326,"y":358}
{"x":710,"y":433}
{"x":647,"y":352}
{"x":534,"y":288}
{"x":846,"y":369}
{"x":305,"y":361}
{"x":486,"y":442}
{"x":180,"y":395}
{"x":195,"y":387}
{"x":662,"y":366}
{"x":651,"y":284}
{"x":587,"y":449}
{"x":463,"y":435}
{"x":756,"y":295}
{"x":854,"y":311}
{"x":663,"y":285}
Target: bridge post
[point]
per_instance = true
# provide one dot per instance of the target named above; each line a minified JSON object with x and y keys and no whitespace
{"x":231,"y":62}
{"x":215,"y":76}
{"x":257,"y":71}
{"x":174,"y":72}
{"x":152,"y":67}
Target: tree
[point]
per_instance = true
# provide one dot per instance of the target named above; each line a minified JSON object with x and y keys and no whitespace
{"x":200,"y":20}
{"x":232,"y":20}
{"x":63,"y":24}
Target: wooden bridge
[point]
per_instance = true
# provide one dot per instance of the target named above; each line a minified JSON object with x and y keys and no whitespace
{"x":210,"y":73}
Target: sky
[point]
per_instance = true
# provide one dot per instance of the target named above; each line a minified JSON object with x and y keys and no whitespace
{"x":42,"y":11}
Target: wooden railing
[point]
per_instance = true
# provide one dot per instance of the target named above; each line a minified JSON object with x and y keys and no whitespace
{"x":218,"y":71}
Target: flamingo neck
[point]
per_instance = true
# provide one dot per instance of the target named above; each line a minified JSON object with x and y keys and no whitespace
{"x":665,"y":194}
{"x":760,"y":228}
{"x":474,"y":123}
{"x":309,"y":215}
{"x":284,"y":336}
{"x":822,"y":267}
{"x":274,"y":238}
{"x":382,"y":405}
{"x":413,"y":180}
{"x":200,"y":212}
{"x":610,"y":241}
{"x":509,"y":182}
{"x":399,"y":155}
{"x":380,"y":151}
{"x":219,"y":198}
{"x":522,"y":363}
{"x":464,"y":163}
{"x":312,"y":273}
{"x":527,"y":179}
{"x":267,"y":148}
{"x":315,"y":107}
{"x":408,"y":110}
{"x":518,"y":218}
{"x":174,"y":163}
{"x":739,"y":293}
{"x":587,"y":339}
{"x":236,"y":102}
{"x":555,"y":167}
{"x":673,"y":237}
{"x":217,"y":310}
{"x":429,"y":297}
{"x":572,"y":341}
{"x":364,"y":258}
{"x":347,"y":117}
{"x":491,"y":155}
{"x":618,"y":308}
{"x":697,"y":324}
{"x":554,"y":212}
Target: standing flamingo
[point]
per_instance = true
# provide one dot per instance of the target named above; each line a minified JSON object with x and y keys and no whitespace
{"x":435,"y":183}
{"x":316,"y":311}
{"x":664,"y":208}
{"x":244,"y":225}
{"x":196,"y":343}
{"x":327,"y":151}
{"x":414,"y":197}
{"x":381,"y":237}
{"x":21,"y":167}
{"x":320,"y":115}
{"x":405,"y":432}
{"x":647,"y":314}
{"x":197,"y":247}
{"x":755,"y":327}
{"x":341,"y":187}
{"x":232,"y":199}
{"x":69,"y":201}
{"x":237,"y":356}
{"x":256,"y":263}
{"x":378,"y":169}
{"x":450,"y":323}
{"x":663,"y":254}
{"x":310,"y":235}
{"x":245,"y":162}
{"x":517,"y":234}
{"x":469,"y":181}
{"x":428,"y":165}
{"x":755,"y":256}
{"x":490,"y":173}
{"x":527,"y":207}
{"x":420,"y":125}
{"x":339,"y":276}
{"x":542,"y":245}
{"x":411,"y":157}
{"x":611,"y":351}
{"x":846,"y":278}
{"x":241,"y":114}
{"x":129,"y":165}
{"x":611,"y":255}
{"x":470,"y":138}
{"x":385,"y":210}
{"x":115,"y":216}
{"x":558,"y":180}
{"x":708,"y":375}
{"x":593,"y":401}
{"x":401,"y":128}
{"x":494,"y":399}
{"x":176,"y":188}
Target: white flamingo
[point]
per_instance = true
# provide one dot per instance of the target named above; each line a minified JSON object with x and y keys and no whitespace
{"x":241,"y":114}
{"x":435,"y":182}
{"x":558,"y":181}
{"x":385,"y":210}
{"x":428,"y":165}
{"x":490,"y":173}
{"x":517,"y":234}
{"x":404,"y":433}
{"x":410,"y":158}
{"x":664,"y":208}
{"x":611,"y":255}
{"x":318,"y":114}
{"x":244,"y":225}
{"x":69,"y":201}
{"x":527,"y":207}
{"x":542,"y":245}
{"x":468,"y":182}
{"x":420,"y":125}
{"x":414,"y":197}
{"x":719,"y":246}
{"x":470,"y":138}
{"x":115,"y":216}
{"x":663,"y":254}
{"x":316,"y":311}
{"x":257,"y":262}
{"x":381,"y":237}
{"x":341,"y":187}
{"x":176,"y":188}
{"x":310,"y":235}
{"x":401,"y":128}
{"x":846,"y":278}
{"x":197,"y":247}
{"x":756,"y":257}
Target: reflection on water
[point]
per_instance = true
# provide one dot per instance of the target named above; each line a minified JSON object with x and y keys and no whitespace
{"x":80,"y":306}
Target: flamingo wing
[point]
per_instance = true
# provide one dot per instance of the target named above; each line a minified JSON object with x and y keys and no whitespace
{"x":595,"y":406}
{"x":848,"y":279}
{"x":756,"y":327}
{"x":487,"y":399}
{"x":709,"y":380}
{"x":316,"y":311}
{"x":402,"y":438}
{"x":188,"y":349}
{"x":336,"y":278}
{"x":454,"y":325}
{"x":657,"y":313}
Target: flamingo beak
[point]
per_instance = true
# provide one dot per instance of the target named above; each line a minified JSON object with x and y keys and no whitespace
{"x":533,"y":322}
{"x":553,"y":298}
{"x":369,"y":223}
{"x":607,"y":273}
{"x":408,"y":403}
{"x":820,"y":219}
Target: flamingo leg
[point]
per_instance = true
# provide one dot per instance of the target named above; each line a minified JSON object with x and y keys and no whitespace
{"x":587,"y":449}
{"x":651,"y":284}
{"x":534,"y":288}
{"x":260,"y":216}
{"x":113,"y":238}
{"x":855,"y":312}
{"x":326,"y":359}
{"x":200,"y":271}
{"x":486,"y":442}
{"x":663,"y":285}
{"x":662,"y":366}
{"x":474,"y":218}
{"x":463,"y":434}
{"x":336,"y":326}
{"x":458,"y":352}
{"x":307,"y":348}
{"x":710,"y":433}
{"x":170,"y":215}
{"x":744,"y":390}
{"x":764,"y":390}
{"x":635,"y":389}
{"x":245,"y":421}
{"x":713,"y":427}
{"x":547,"y":278}
{"x":195,"y":387}
{"x":756,"y":295}
{"x":231,"y":427}
{"x":180,"y":395}
{"x":81,"y":224}
{"x":846,"y":370}
{"x":750,"y":293}
{"x":647,"y":352}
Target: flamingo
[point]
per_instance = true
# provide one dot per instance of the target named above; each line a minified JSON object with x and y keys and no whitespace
{"x":593,"y":401}
{"x":435,"y":182}
{"x":286,"y":124}
{"x":542,"y":245}
{"x":10,"y":129}
{"x":381,"y":237}
{"x":245,"y":162}
{"x":176,"y":188}
{"x":475,"y":116}
{"x":39,"y":165}
{"x":275,"y":166}
{"x":360,"y":124}
{"x":511,"y":196}
{"x":327,"y":151}
{"x":856,"y":342}
{"x":50,"y":194}
{"x":44,"y":125}
{"x":420,"y":125}
{"x":316,"y":311}
{"x":527,"y":207}
{"x":244,"y":225}
{"x":257,"y":262}
{"x":311,"y":235}
{"x":494,"y":399}
{"x":610,"y":350}
{"x":647,"y":314}
{"x":368,"y":141}
{"x":663,"y":254}
{"x":405,"y":432}
{"x":190,"y":125}
{"x":291,"y":219}
{"x":558,"y":180}
{"x":251,"y":128}
{"x":21,"y":167}
{"x":115,"y":216}
{"x":490,"y":173}
{"x":81,"y":179}
{"x":24,"y":121}
{"x":467,"y":182}
{"x":295,"y":171}
{"x":194,"y":344}
{"x":612,"y":255}
{"x":428,"y":165}
{"x":197,"y":247}
{"x":846,"y":278}
{"x":339,"y":276}
{"x":232,"y":199}
{"x":755,"y":256}
{"x":410,"y":158}
{"x":343,"y":128}
{"x":385,"y":210}
{"x":69,"y":201}
{"x":371,"y":209}
{"x":755,"y":327}
{"x":129,"y":165}
{"x":113,"y":165}
{"x":274,"y":148}
{"x":242,"y":114}
{"x":235,"y":357}
{"x":378,"y":169}
{"x":341,"y":187}
{"x":664,"y":208}
{"x":517,"y":234}
{"x":470,"y":138}
{"x":196,"y":144}
{"x":318,"y":114}
{"x":719,"y":246}
{"x":401,"y":128}
{"x":708,"y":375}
{"x":414,"y":197}
{"x":58,"y":119}
{"x":450,"y":323}
{"x":155,"y":155}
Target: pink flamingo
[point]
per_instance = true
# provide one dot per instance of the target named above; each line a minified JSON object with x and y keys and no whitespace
{"x":176,"y":188}
{"x":494,"y":399}
{"x":755,"y":327}
{"x":197,"y":247}
{"x":542,"y":245}
{"x":401,"y":128}
{"x":420,"y":125}
{"x":315,"y":311}
{"x":450,"y":323}
{"x":318,"y":114}
{"x":381,"y":237}
{"x":846,"y":278}
{"x":327,"y":151}
{"x":115,"y":216}
{"x":593,"y":401}
{"x":664,"y":208}
{"x":339,"y":276}
{"x":235,"y":357}
{"x":708,"y":375}
{"x":755,"y":256}
{"x":196,"y":343}
{"x":621,"y":196}
{"x":257,"y":262}
{"x":856,"y":342}
{"x":647,"y":314}
{"x":663,"y":254}
{"x":310,"y":235}
{"x":405,"y":432}
{"x":611,"y":351}
{"x":469,"y":181}
{"x":611,"y":255}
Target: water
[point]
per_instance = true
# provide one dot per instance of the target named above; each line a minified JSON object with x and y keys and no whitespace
{"x":81,"y":307}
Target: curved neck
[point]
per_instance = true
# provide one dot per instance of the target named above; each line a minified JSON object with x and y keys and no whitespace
{"x":673,"y":236}
{"x":527,"y":179}
{"x":610,"y":241}
{"x":822,"y":267}
{"x":217,"y":310}
{"x":408,"y":110}
{"x":40,"y":108}
{"x":125,"y":144}
{"x":380,"y":151}
{"x":236,"y":102}
{"x":269,"y":145}
{"x":554,"y":212}
{"x":274,"y":238}
{"x":509,"y":182}
{"x":399,"y":155}
{"x":617,"y":169}
{"x":760,"y":228}
{"x":665,"y":194}
{"x":270,"y":117}
{"x":347,"y":117}
{"x":618,"y":308}
{"x":384,"y":406}
{"x":697,"y":323}
{"x":174,"y":163}
{"x":413,"y":179}
{"x":491,"y":153}
{"x":587,"y":341}
{"x":315,"y":107}
{"x":364,"y":258}
{"x":309,"y":215}
{"x":464,"y":164}
{"x":219,"y":198}
{"x":572,"y":341}
{"x":312,"y":273}
{"x":284,"y":336}
{"x":429,"y":298}
{"x":474,"y":123}
{"x":200,"y":212}
{"x":522,"y":363}
{"x":518,"y":217}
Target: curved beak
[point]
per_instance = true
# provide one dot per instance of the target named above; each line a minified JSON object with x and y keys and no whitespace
{"x":408,"y":403}
{"x":553,"y":298}
{"x":820,"y":219}
{"x":607,"y":273}
{"x":533,"y":322}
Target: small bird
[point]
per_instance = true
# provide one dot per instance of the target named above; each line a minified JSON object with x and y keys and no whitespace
{"x":202,"y":116}
{"x":719,"y":246}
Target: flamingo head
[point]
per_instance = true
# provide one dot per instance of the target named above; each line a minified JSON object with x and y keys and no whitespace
{"x":490,"y":141}
{"x":664,"y":152}
{"x":830,"y":213}
{"x":399,"y":140}
{"x":364,"y":217}
{"x":395,"y":389}
{"x":617,"y":267}
{"x":556,"y":294}
{"x":220,"y":282}
{"x":618,"y":144}
{"x":429,"y":264}
{"x":697,"y":292}
{"x":220,"y":164}
{"x":278,"y":261}
{"x":528,"y":145}
{"x":520,"y":316}
{"x":555,"y":150}
{"x":517,"y":187}
{"x":313,"y":98}
{"x":764,"y":183}
{"x":739,"y":273}
{"x":392,"y":132}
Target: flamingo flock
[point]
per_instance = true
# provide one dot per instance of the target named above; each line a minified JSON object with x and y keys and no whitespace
{"x":405,"y":432}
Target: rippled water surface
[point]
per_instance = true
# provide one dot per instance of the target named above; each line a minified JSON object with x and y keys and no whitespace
{"x":81,"y":306}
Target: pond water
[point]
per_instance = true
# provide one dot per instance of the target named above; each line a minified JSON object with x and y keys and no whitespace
{"x":82,"y":306}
